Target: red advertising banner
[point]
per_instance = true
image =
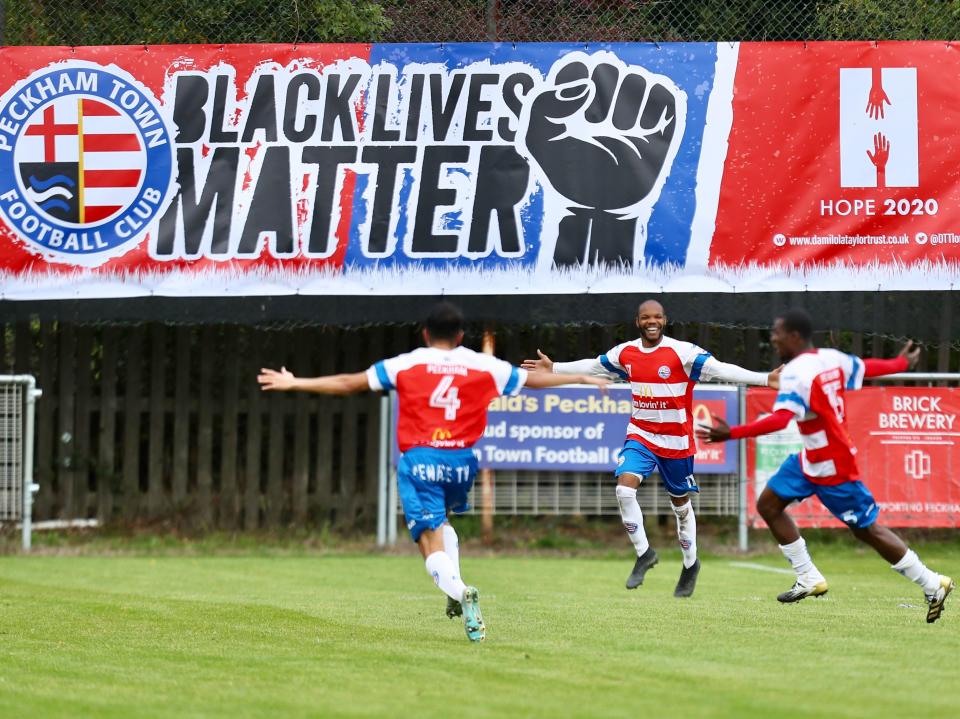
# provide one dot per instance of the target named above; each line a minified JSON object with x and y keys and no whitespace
{"x":909,"y":449}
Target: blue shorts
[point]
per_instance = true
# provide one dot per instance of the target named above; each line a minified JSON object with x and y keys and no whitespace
{"x":677,"y":474}
{"x":850,"y":502}
{"x":432,"y":481}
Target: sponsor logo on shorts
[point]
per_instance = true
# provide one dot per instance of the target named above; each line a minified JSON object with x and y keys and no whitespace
{"x":849,"y":517}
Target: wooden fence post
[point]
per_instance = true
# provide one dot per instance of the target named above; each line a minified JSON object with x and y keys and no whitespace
{"x":486,"y":475}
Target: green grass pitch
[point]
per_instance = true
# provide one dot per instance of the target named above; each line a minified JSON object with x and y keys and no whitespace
{"x":365,"y":635}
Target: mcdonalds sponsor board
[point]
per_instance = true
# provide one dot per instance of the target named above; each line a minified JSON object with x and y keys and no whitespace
{"x":578,"y":429}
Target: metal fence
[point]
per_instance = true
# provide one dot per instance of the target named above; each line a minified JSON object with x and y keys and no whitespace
{"x":139,"y":426}
{"x":129,"y":22}
{"x":18,"y":395}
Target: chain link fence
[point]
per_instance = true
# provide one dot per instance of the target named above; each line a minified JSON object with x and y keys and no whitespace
{"x":133,"y":22}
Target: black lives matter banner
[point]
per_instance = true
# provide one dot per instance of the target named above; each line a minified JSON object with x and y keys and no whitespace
{"x":476,"y":169}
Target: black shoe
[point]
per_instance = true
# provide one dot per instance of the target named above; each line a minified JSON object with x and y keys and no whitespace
{"x":688,"y":580}
{"x":648,"y":560}
{"x":454,"y":608}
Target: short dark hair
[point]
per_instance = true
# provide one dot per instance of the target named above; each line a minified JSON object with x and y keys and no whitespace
{"x":444,"y":322}
{"x":797,"y":320}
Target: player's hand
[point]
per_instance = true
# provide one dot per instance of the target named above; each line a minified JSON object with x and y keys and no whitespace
{"x":719,"y":432}
{"x":912,"y":353}
{"x":600,"y":383}
{"x":773,"y":379}
{"x":544,"y":364}
{"x":270,"y":379}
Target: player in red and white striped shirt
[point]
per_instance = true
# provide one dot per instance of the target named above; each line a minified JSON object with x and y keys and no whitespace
{"x":662,"y":373}
{"x":812,"y":390}
{"x":444,"y":391}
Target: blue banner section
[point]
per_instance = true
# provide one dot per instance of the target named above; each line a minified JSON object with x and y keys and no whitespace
{"x":577,"y":429}
{"x":538,"y":150}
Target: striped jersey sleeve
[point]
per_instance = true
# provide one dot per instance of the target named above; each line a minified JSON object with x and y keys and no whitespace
{"x":852,"y":367}
{"x":382,"y":375}
{"x":610,"y":361}
{"x":508,"y":379}
{"x":694,"y":360}
{"x":794,"y":393}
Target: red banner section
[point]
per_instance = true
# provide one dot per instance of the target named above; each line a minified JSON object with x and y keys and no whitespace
{"x":909,"y":448}
{"x":855,"y":135}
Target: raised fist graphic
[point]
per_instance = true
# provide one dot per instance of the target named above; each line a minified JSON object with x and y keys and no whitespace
{"x":603,"y":134}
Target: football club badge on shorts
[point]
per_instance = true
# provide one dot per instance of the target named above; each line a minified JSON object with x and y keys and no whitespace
{"x":86,"y":161}
{"x":631,"y":527}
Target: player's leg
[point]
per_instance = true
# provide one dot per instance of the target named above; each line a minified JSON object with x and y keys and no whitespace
{"x":438,"y":563}
{"x":451,"y":545}
{"x":425,"y":513}
{"x":785,"y":487}
{"x":853,"y":504}
{"x":462,"y":466}
{"x":680,"y":483}
{"x":635,"y":463}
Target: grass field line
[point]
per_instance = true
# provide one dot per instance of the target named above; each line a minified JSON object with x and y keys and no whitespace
{"x":760,"y":567}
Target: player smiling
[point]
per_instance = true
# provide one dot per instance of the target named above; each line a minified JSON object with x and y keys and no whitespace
{"x":662,"y":373}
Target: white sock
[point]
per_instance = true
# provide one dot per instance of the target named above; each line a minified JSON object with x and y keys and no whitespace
{"x":687,"y":532}
{"x":451,"y":545}
{"x":799,"y":558}
{"x":913,"y":569}
{"x":440,"y":567}
{"x":632,"y":518}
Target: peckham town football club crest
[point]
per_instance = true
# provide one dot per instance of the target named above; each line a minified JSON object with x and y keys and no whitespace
{"x":86,"y":162}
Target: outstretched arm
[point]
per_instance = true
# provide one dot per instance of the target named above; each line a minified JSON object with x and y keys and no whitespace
{"x":543,"y":380}
{"x":906,"y":360}
{"x":285,"y":381}
{"x":543,"y":363}
{"x":589,"y":366}
{"x":713,"y":369}
{"x":721,"y":431}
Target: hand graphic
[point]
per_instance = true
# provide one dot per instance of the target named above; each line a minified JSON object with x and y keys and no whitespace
{"x":879,"y":157}
{"x":602,"y":138}
{"x":877,"y":96}
{"x":875,"y":102}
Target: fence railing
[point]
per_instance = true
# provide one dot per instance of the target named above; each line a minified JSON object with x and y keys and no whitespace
{"x":138,"y":22}
{"x":156,"y":423}
{"x":18,"y":396}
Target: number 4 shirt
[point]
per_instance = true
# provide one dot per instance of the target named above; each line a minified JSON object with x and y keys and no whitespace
{"x":444,"y":394}
{"x":812,"y":387}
